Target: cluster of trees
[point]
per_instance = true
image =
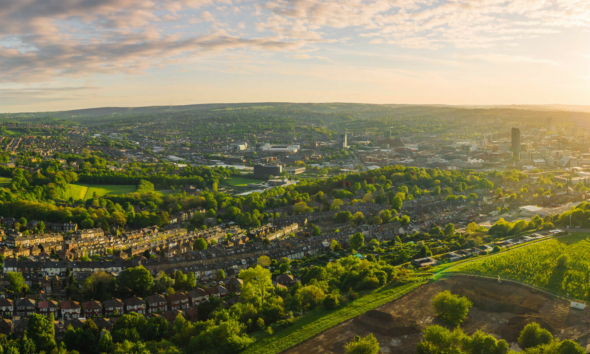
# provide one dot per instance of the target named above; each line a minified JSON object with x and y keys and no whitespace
{"x":532,"y":340}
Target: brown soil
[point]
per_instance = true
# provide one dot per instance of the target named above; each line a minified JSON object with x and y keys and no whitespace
{"x":499,"y":309}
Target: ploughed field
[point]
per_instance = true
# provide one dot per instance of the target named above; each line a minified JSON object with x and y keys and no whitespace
{"x":500,"y":309}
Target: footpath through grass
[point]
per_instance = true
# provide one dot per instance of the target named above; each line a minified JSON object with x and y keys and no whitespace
{"x":320,"y":320}
{"x":560,"y":265}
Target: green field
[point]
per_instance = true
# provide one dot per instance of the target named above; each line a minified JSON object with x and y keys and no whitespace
{"x":5,"y":181}
{"x":241,"y":181}
{"x":539,"y":264}
{"x":85,"y":192}
{"x":320,"y":320}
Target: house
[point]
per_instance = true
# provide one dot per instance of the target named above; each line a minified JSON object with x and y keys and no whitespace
{"x":48,"y":307}
{"x":113,"y":307}
{"x":91,"y":308}
{"x":103,"y":323}
{"x":6,"y":307}
{"x":424,"y":262}
{"x":192,"y":313}
{"x":135,"y":304}
{"x":218,"y":291}
{"x":234,"y":285}
{"x":197,"y":296}
{"x":70,"y":309}
{"x":6,"y":326}
{"x":25,"y":307}
{"x":178,"y":301}
{"x":286,"y":280}
{"x":156,"y":303}
{"x":170,"y":316}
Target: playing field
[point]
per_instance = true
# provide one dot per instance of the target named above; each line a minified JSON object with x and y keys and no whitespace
{"x":241,"y":181}
{"x":83,"y":191}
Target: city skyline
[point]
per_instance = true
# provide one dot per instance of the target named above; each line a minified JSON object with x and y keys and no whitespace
{"x":79,"y":54}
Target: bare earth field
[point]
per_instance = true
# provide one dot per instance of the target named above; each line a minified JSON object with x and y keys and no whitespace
{"x":499,"y":309}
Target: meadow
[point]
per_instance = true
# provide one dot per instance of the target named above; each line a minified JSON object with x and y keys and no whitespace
{"x":85,"y":192}
{"x":317,"y":321}
{"x":559,"y":265}
{"x":241,"y":181}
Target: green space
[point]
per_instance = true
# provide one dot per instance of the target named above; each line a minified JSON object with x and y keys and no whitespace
{"x":559,"y":265}
{"x":241,"y":181}
{"x":317,"y":321}
{"x":85,"y":192}
{"x":5,"y":181}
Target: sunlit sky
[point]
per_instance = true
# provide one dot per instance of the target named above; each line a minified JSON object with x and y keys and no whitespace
{"x":70,"y":54}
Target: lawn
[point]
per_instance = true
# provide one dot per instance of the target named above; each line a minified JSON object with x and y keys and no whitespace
{"x":241,"y":181}
{"x":5,"y":181}
{"x":559,"y":265}
{"x":85,"y":192}
{"x":320,"y":320}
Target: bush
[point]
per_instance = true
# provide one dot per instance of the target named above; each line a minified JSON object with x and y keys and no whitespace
{"x":563,"y":261}
{"x":533,"y":335}
{"x":496,"y":249}
{"x":331,"y":302}
{"x":353,"y":296}
{"x":367,"y":345}
{"x":451,"y":308}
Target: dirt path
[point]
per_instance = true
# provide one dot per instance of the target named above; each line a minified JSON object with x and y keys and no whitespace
{"x":499,"y":309}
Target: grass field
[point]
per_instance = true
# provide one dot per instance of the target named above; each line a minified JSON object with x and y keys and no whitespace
{"x":85,"y":192}
{"x":4,"y":181}
{"x":559,"y":265}
{"x":241,"y":181}
{"x":320,"y":320}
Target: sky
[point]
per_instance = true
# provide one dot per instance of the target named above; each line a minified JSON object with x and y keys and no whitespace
{"x":72,"y":54}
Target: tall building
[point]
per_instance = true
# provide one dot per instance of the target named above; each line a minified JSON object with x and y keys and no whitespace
{"x":515,"y":147}
{"x":263,"y":171}
{"x":342,"y":144}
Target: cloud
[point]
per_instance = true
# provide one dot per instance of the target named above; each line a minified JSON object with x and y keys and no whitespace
{"x":41,"y":40}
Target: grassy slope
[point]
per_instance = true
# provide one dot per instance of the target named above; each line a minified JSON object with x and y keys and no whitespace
{"x":538,"y":265}
{"x":84,"y":191}
{"x":320,"y":320}
{"x":5,"y":181}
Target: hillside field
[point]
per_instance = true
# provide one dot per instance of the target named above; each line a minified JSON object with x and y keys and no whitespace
{"x":5,"y":181}
{"x":85,"y":192}
{"x":559,"y":265}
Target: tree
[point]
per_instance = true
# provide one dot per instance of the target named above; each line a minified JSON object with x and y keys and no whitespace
{"x":397,"y":203}
{"x":449,"y":230}
{"x":200,"y":244}
{"x":451,"y":308}
{"x":105,"y":344}
{"x":264,"y":261}
{"x":570,"y":347}
{"x":316,"y":231}
{"x":333,"y":244}
{"x":367,"y":345}
{"x":533,"y":335}
{"x":137,"y":279}
{"x":357,"y":241}
{"x":424,"y":252}
{"x":220,"y":274}
{"x":343,"y":216}
{"x":257,"y":281}
{"x":41,"y":331}
{"x":16,"y":281}
{"x":336,"y":203}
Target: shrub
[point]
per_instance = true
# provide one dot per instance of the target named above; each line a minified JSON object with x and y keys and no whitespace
{"x":533,"y":335}
{"x":451,"y":308}
{"x":331,"y":302}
